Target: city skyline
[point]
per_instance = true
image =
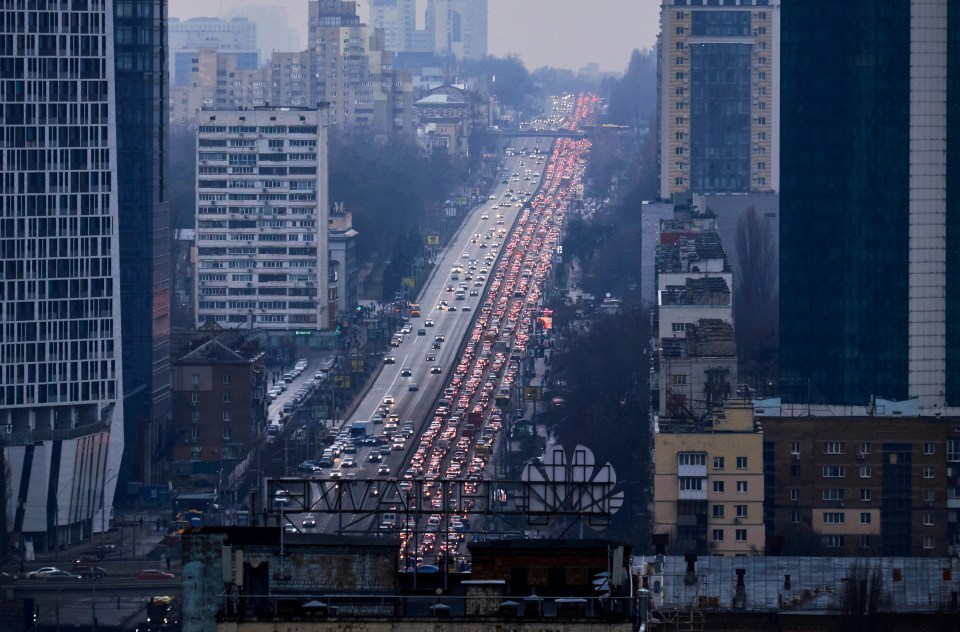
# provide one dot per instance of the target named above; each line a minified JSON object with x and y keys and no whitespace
{"x":557,"y":43}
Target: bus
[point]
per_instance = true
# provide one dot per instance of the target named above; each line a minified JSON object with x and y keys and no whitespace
{"x":414,"y":309}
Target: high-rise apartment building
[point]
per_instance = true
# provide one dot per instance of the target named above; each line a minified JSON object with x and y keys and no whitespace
{"x":237,"y":37}
{"x":457,"y":27}
{"x":262,"y":210}
{"x":216,"y":81}
{"x":61,"y":367}
{"x":870,"y":206}
{"x":144,"y":228}
{"x":398,"y":20}
{"x":719,"y":96}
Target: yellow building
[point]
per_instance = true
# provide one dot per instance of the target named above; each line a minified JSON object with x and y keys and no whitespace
{"x":708,"y":483}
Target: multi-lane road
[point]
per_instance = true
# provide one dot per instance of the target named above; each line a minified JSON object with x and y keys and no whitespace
{"x":462,"y":348}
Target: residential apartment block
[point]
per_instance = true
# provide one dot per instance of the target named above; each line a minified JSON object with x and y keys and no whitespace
{"x":61,"y":367}
{"x":708,"y":483}
{"x":219,"y":391}
{"x":862,"y":485}
{"x":262,"y":212}
{"x":398,"y":20}
{"x":236,"y":37}
{"x":695,"y":362}
{"x":719,"y":96}
{"x":457,"y":27}
{"x":217,"y":80}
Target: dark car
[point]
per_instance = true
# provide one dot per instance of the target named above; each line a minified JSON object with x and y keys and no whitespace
{"x":88,"y":572}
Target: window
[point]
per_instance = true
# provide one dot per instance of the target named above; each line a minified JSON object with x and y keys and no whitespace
{"x":718,"y":511}
{"x":194,"y":398}
{"x":691,"y":458}
{"x":928,"y":519}
{"x":195,"y":416}
{"x":226,"y":433}
{"x":679,"y":105}
{"x":195,"y":433}
{"x":741,"y":487}
{"x":678,"y":151}
{"x":833,"y":517}
{"x":741,"y":535}
{"x":953,"y":449}
{"x":679,"y":76}
{"x":865,"y":471}
{"x":226,"y":398}
{"x":718,"y":535}
{"x":679,"y":46}
{"x":718,"y":487}
{"x":834,"y":471}
{"x":679,"y":120}
{"x":865,"y":517}
{"x":678,"y":380}
{"x":929,"y":495}
{"x":226,"y":378}
{"x":928,"y":472}
{"x":927,"y":542}
{"x":794,"y":469}
{"x":690,"y":483}
{"x":833,"y":541}
{"x":865,"y":495}
{"x":795,"y":447}
{"x":741,"y":511}
{"x":864,"y":542}
{"x":795,"y":517}
{"x":929,"y":448}
{"x":834,"y":493}
{"x":864,"y":447}
{"x":226,"y":415}
{"x":795,"y":494}
{"x":741,"y":462}
{"x":718,"y":462}
{"x":761,"y":76}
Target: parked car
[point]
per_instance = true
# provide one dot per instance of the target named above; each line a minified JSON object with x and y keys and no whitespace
{"x":37,"y":574}
{"x":59,"y":576}
{"x":89,"y":572}
{"x":154,"y":573}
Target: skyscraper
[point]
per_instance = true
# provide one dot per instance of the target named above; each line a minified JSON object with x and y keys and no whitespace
{"x":719,"y":96}
{"x":61,"y":370}
{"x":398,"y":19}
{"x":870,"y":201}
{"x":457,"y":27}
{"x":144,"y":225}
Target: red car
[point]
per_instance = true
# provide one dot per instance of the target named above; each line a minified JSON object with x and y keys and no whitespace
{"x":153,"y":573}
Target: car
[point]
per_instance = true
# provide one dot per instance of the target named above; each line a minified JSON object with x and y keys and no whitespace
{"x":59,"y":576}
{"x":154,"y":573}
{"x":440,"y":337}
{"x":492,"y":197}
{"x":290,"y":528}
{"x":384,"y":450}
{"x":428,"y":323}
{"x":406,"y":372}
{"x":465,"y":308}
{"x":389,"y":359}
{"x":37,"y":574}
{"x":436,"y":345}
{"x":465,"y":255}
{"x":336,"y":475}
{"x":348,"y":462}
{"x":374,"y":457}
{"x":383,"y":470}
{"x":474,"y":293}
{"x":485,"y":216}
{"x":431,"y":357}
{"x":435,"y":370}
{"x":421,"y":332}
{"x":449,"y":288}
{"x":413,"y":387}
{"x":92,"y":572}
{"x":308,"y":467}
{"x":309,"y":522}
{"x":452,"y":308}
{"x":388,"y":400}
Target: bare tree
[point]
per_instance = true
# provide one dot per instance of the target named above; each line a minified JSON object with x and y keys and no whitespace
{"x":863,"y":597}
{"x":756,"y":300}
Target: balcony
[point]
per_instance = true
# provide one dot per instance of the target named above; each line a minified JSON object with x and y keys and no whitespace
{"x":692,"y":494}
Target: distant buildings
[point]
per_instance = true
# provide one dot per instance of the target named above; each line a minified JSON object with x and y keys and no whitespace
{"x":398,"y":20}
{"x":215,"y":80}
{"x":869,"y":273}
{"x":719,"y":96}
{"x":262,"y":210}
{"x":456,"y":27}
{"x":236,"y":38}
{"x":64,"y":216}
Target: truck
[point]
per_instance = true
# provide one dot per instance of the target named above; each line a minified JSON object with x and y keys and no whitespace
{"x":360,"y":428}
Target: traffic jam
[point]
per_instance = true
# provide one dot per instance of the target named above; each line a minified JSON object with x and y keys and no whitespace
{"x":462,"y":434}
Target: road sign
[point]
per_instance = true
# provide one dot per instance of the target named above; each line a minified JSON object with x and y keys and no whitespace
{"x":433,"y":240}
{"x":532,"y":393}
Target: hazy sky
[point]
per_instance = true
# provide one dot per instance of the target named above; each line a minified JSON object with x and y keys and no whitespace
{"x":560,"y":33}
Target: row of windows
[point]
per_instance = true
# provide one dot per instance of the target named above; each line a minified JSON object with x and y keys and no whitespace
{"x":700,"y":458}
{"x":719,"y":511}
{"x":739,"y":534}
{"x":264,"y":129}
{"x":840,"y":494}
{"x":865,"y":447}
{"x":865,"y":541}
{"x":692,"y":483}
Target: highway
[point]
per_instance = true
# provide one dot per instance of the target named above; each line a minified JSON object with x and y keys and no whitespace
{"x":503,"y":254}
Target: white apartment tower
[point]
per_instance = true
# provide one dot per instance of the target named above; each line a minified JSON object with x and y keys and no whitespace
{"x":61,"y":407}
{"x":262,"y":210}
{"x":398,"y":20}
{"x":457,"y":27}
{"x":719,"y":96}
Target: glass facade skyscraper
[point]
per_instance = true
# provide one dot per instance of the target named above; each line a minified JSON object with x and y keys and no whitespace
{"x":140,"y":34}
{"x":868,"y":228}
